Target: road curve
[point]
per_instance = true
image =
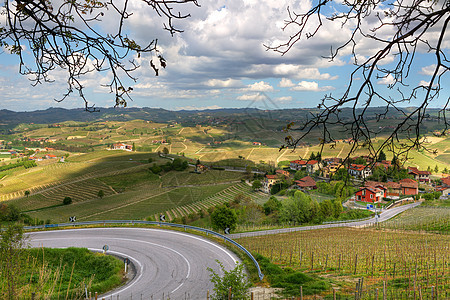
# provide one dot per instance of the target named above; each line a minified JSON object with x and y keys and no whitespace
{"x":168,"y":263}
{"x":385,"y":215}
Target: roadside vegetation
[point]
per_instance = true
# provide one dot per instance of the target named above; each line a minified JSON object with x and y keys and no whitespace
{"x":45,"y":273}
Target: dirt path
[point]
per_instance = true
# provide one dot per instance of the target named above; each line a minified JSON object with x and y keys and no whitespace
{"x":280,"y":156}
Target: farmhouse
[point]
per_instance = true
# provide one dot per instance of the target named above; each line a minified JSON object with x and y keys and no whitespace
{"x":331,"y":168}
{"x":256,"y":143}
{"x":371,"y":194}
{"x":421,"y":176}
{"x":311,"y":166}
{"x":269,"y":181}
{"x":306,"y":183}
{"x":446,"y":181}
{"x":409,"y":186}
{"x":359,"y":171}
{"x":403,"y":187}
{"x":284,"y":173}
{"x":445,"y":191}
{"x":121,"y":146}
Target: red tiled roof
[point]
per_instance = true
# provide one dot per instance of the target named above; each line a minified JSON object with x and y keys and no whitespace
{"x":298,"y":162}
{"x":357,"y":167}
{"x":446,"y":181}
{"x":416,"y":171}
{"x":409,"y":183}
{"x":271,"y":176}
{"x":306,"y":182}
{"x":312,"y":162}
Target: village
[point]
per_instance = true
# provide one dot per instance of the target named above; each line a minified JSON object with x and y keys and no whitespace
{"x":361,"y":175}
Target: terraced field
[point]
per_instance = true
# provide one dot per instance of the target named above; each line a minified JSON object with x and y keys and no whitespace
{"x":226,"y":195}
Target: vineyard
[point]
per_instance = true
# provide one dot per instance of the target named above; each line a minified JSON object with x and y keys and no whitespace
{"x":421,"y":218}
{"x":376,"y":264}
{"x":226,"y":195}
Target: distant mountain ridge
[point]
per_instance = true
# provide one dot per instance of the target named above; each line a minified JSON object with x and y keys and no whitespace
{"x":56,"y":115}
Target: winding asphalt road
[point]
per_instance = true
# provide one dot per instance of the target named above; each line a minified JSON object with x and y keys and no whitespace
{"x":384,"y":215}
{"x":168,"y":263}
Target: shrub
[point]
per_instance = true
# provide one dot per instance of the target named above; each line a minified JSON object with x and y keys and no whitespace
{"x":67,"y":201}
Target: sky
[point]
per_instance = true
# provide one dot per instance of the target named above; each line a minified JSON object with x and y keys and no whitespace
{"x":220,"y":61}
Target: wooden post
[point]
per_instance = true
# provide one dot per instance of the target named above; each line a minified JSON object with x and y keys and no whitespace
{"x":356,"y":263}
{"x":432,"y":292}
{"x":96,"y":295}
{"x":376,"y":294}
{"x":334,"y":294}
{"x":229,"y":293}
{"x":301,"y":292}
{"x":207,"y":295}
{"x":251,"y":296}
{"x":384,"y":290}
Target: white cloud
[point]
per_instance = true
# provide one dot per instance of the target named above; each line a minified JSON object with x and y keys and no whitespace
{"x":389,"y":79}
{"x":260,"y":87}
{"x":284,"y":82}
{"x":283,"y":99}
{"x":428,"y":70}
{"x":251,"y":97}
{"x":228,"y":83}
{"x":311,"y":86}
{"x":300,"y":72}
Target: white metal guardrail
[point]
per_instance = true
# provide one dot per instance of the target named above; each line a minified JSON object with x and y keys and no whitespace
{"x":207,"y":231}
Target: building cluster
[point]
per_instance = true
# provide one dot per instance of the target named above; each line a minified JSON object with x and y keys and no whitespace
{"x":371,"y":191}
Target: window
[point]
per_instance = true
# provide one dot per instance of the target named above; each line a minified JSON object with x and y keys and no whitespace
{"x":371,"y":196}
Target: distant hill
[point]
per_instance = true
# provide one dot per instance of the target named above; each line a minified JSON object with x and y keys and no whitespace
{"x":188,"y":117}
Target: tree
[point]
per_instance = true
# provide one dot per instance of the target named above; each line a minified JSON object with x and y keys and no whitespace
{"x":256,"y":185}
{"x":12,"y":259}
{"x":272,"y":205}
{"x":436,"y":169}
{"x":67,"y":200}
{"x":27,"y":193}
{"x":236,"y":279}
{"x":69,"y":35}
{"x":381,"y":156}
{"x":101,"y":194}
{"x":223,"y":217}
{"x":396,"y":32}
{"x":165,"y":150}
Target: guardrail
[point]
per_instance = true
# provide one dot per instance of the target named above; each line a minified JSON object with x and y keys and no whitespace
{"x":207,"y":231}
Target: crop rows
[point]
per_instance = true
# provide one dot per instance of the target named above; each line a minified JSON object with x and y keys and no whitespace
{"x":402,"y":262}
{"x":422,"y":218}
{"x":43,"y":188}
{"x":226,"y":195}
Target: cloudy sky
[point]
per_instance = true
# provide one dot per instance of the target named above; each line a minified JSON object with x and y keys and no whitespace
{"x":220,"y":61}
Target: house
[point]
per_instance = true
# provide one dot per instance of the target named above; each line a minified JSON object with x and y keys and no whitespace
{"x":371,"y":194}
{"x":385,"y":164}
{"x":359,"y":171}
{"x":403,"y":187}
{"x":409,"y":186}
{"x":256,"y":144}
{"x":50,"y":156}
{"x":331,"y":168}
{"x":421,"y":176}
{"x":311,"y":166}
{"x":269,"y":181}
{"x":445,"y":191}
{"x":446,"y":181}
{"x":121,"y":146}
{"x":284,"y":173}
{"x":306,"y":183}
{"x":199,"y":168}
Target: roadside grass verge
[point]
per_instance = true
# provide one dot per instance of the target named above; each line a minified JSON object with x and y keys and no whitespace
{"x":63,"y":273}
